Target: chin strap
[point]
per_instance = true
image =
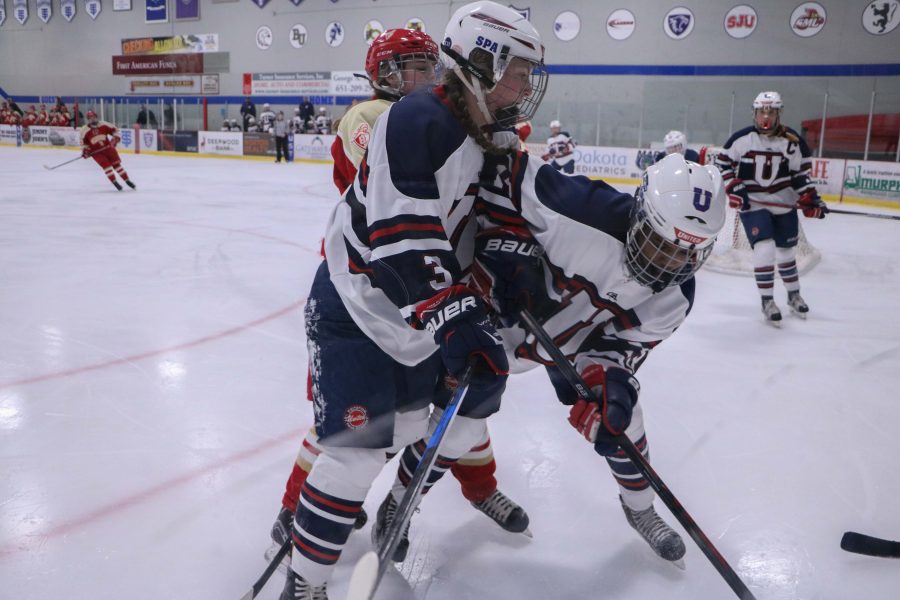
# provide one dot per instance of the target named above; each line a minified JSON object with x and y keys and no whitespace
{"x":477,"y":90}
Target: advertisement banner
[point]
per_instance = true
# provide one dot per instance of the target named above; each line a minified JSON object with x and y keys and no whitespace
{"x":826,"y":174}
{"x":313,"y":147}
{"x":186,"y":10}
{"x":290,"y":84}
{"x":157,"y":11}
{"x":36,"y":136}
{"x":172,"y":44}
{"x":160,"y":64}
{"x":147,"y":139}
{"x":230,"y":143}
{"x":180,"y":141}
{"x":8,"y":134}
{"x":874,"y":181}
{"x":346,"y":83}
{"x":174,"y":84}
{"x":259,"y":144}
{"x":64,"y":136}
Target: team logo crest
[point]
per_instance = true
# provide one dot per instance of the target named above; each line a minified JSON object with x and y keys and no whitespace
{"x":644,"y":159}
{"x":261,"y":3}
{"x":93,"y":8}
{"x":67,"y":7}
{"x":361,"y":136}
{"x":44,"y":10}
{"x":740,"y":21}
{"x":566,"y":26}
{"x":808,"y":19}
{"x":679,"y":23}
{"x":2,"y":14}
{"x":298,"y":36}
{"x":334,"y":34}
{"x":356,"y":416}
{"x":148,"y":139}
{"x":880,"y":17}
{"x":416,"y":23}
{"x":525,"y":12}
{"x":20,"y":11}
{"x":296,"y":2}
{"x":373,"y":30}
{"x":264,"y":37}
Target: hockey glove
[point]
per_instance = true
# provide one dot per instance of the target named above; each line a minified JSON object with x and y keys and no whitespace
{"x":461,"y":328}
{"x":509,"y":273}
{"x":812,"y":206}
{"x":738,"y":198}
{"x":115,"y":142}
{"x":600,"y":423}
{"x":85,"y":153}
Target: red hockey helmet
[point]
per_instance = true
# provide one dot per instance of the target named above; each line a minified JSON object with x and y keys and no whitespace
{"x":387,"y":54}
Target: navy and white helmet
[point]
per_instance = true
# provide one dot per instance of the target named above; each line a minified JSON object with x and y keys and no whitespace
{"x":505,"y":35}
{"x":768,"y":100}
{"x":767,"y":111}
{"x":679,"y":211}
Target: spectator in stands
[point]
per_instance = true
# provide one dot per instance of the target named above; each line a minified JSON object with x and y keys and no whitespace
{"x":15,"y":108}
{"x":146,"y":117}
{"x":43,"y":118}
{"x":248,"y":109}
{"x":280,"y":129}
{"x":307,"y":113}
{"x":60,"y":105}
{"x":30,"y":117}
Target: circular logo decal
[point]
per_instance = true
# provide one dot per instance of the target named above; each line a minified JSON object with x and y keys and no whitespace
{"x":264,"y":38}
{"x":298,"y":36}
{"x":808,"y":19}
{"x":679,"y":23}
{"x":740,"y":21}
{"x":334,"y":34}
{"x":356,"y":416}
{"x":416,"y":23}
{"x":620,"y":24}
{"x":360,"y":137}
{"x":881,"y":17}
{"x":373,"y":30}
{"x":566,"y":26}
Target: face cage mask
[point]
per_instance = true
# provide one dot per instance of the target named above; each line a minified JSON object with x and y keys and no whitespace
{"x":524,"y":108}
{"x":656,"y":262}
{"x":776,"y":120}
{"x":388,"y":68}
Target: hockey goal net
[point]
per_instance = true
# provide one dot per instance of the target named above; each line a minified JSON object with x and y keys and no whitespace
{"x":732,"y":253}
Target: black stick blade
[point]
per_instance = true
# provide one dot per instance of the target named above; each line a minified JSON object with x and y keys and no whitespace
{"x":859,"y":543}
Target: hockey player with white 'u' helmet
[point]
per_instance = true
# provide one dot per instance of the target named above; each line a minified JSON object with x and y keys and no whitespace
{"x":679,"y":212}
{"x":767,"y":111}
{"x":504,"y":35}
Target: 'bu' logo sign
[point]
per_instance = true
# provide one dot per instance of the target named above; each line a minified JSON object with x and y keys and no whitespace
{"x":679,"y":23}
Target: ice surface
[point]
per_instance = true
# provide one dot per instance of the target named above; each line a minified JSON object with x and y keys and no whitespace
{"x":152,"y":398}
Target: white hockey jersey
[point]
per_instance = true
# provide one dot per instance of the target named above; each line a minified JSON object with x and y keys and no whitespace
{"x":561,"y":148}
{"x":266,"y":120}
{"x":774,"y":169}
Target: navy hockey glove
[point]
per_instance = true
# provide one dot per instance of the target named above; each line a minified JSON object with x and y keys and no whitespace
{"x":738,"y":198}
{"x":812,"y":206}
{"x":508,"y":272}
{"x":461,"y":328}
{"x":600,"y":423}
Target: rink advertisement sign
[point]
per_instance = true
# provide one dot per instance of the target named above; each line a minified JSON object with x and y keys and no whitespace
{"x":873,"y":180}
{"x":173,"y":84}
{"x":179,"y":141}
{"x":313,"y":147}
{"x":172,"y":44}
{"x":229,"y":143}
{"x":309,"y":83}
{"x":8,"y":134}
{"x":258,"y":144}
{"x":160,"y":64}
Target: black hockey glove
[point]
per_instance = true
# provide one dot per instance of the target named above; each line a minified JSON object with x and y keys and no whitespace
{"x":508,"y":272}
{"x":600,"y":423}
{"x":461,"y":328}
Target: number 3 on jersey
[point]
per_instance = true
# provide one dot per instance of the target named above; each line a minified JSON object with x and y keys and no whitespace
{"x":440,"y":277}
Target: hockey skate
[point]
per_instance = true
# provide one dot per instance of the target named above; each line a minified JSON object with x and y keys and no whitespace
{"x":771,"y":312}
{"x":798,"y":306}
{"x":118,"y":185}
{"x":281,"y":532}
{"x":386,"y":513}
{"x":297,"y":588}
{"x":130,"y":184}
{"x":664,"y":540}
{"x":506,"y":513}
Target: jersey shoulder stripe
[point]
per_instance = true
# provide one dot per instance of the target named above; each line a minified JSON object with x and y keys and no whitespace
{"x":737,"y":135}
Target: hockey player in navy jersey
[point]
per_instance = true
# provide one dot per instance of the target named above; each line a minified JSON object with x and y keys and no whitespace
{"x":675,"y":142}
{"x":765,"y":168}
{"x":396,"y":249}
{"x":560,"y":149}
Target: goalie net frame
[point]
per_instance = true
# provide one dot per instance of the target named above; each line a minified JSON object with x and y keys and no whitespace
{"x":732,"y":253}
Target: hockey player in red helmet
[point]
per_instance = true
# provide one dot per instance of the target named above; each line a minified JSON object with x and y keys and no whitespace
{"x":98,"y":141}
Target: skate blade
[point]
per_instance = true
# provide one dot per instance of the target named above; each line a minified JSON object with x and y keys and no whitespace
{"x":775,"y":324}
{"x":527,"y":533}
{"x":798,"y":314}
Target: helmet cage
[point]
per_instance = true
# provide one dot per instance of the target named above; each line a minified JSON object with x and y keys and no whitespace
{"x":652,"y":259}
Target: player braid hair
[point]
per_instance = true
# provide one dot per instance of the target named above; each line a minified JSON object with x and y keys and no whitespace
{"x":455,"y":93}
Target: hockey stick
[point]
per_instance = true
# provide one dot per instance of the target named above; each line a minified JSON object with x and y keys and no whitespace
{"x":859,"y":543}
{"x":72,"y":160}
{"x":585,"y":393}
{"x":370,"y":569}
{"x":267,"y":574}
{"x":828,"y":210}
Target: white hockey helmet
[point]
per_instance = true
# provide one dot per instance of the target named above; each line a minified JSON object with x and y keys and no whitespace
{"x":679,"y":210}
{"x":675,"y":141}
{"x":767,"y":111}
{"x":500,"y":32}
{"x":555,"y":124}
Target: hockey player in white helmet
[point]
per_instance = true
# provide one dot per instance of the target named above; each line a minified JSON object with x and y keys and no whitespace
{"x":766,"y":172}
{"x":560,"y":149}
{"x":392,"y":262}
{"x":323,"y":121}
{"x":675,"y":142}
{"x":617,"y":270}
{"x":266,"y":118}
